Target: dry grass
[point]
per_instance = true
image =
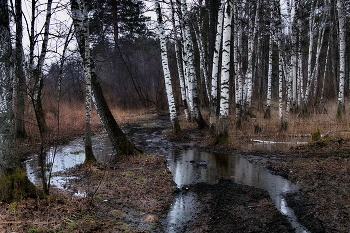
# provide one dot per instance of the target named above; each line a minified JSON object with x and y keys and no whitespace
{"x":298,"y":126}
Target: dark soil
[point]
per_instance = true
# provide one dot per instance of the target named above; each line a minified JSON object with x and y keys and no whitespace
{"x":230,"y":207}
{"x":134,"y":193}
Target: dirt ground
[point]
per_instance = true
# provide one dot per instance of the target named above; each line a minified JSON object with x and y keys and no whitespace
{"x":134,"y":194}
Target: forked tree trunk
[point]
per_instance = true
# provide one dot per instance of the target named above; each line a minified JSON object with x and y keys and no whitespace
{"x":215,"y":70}
{"x":191,"y":75}
{"x":119,"y":140}
{"x":179,"y":61}
{"x":167,"y":78}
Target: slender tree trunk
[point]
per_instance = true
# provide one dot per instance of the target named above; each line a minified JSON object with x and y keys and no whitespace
{"x":179,"y":61}
{"x":223,"y":127}
{"x":215,"y":69}
{"x":38,"y":76}
{"x":81,"y":24}
{"x":283,"y":123}
{"x":20,"y":82}
{"x":342,"y":58}
{"x":192,"y":79}
{"x":267,"y":114}
{"x":310,"y":56}
{"x":239,"y":83}
{"x":167,"y":78}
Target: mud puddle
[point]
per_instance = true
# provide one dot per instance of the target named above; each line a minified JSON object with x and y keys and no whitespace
{"x":190,"y":167}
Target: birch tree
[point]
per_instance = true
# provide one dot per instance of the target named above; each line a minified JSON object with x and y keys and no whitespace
{"x":81,"y":24}
{"x":179,"y":60}
{"x":215,"y":69}
{"x":342,"y":59}
{"x":119,"y":140}
{"x":238,"y":58}
{"x":167,"y":78}
{"x":14,"y":184}
{"x":223,"y":127}
{"x":269,"y":72}
{"x":190,"y":69}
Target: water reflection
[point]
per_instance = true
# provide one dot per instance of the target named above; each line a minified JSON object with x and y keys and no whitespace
{"x":63,"y":157}
{"x":182,"y":164}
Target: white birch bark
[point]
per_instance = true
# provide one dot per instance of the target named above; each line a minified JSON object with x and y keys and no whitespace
{"x":179,"y":60}
{"x":300,"y":69}
{"x":81,"y":24}
{"x":280,"y":68}
{"x":165,"y":64}
{"x":249,"y":72}
{"x":239,"y":82}
{"x":215,"y":68}
{"x":342,"y":59}
{"x":202,"y":55}
{"x":225,"y":73}
{"x":185,"y":57}
{"x":269,"y":77}
{"x":325,"y":72}
{"x":294,"y":60}
{"x":310,"y":56}
{"x":190,"y":69}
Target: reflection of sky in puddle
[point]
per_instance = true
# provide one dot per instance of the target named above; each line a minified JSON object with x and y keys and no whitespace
{"x":232,"y":167}
{"x":182,"y":210}
{"x":68,"y":156}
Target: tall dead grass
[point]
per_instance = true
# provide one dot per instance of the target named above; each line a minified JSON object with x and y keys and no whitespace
{"x":68,"y":121}
{"x":298,"y":125}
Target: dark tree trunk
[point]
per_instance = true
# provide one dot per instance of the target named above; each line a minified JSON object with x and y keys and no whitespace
{"x":119,"y":140}
{"x":20,"y":84}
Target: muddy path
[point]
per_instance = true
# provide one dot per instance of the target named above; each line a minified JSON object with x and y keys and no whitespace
{"x":221,"y":205}
{"x":321,"y":169}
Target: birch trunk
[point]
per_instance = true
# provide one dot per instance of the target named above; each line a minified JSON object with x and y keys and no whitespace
{"x":342,"y":58}
{"x":81,"y":23}
{"x":167,"y":78}
{"x":325,"y":73}
{"x":283,"y":123}
{"x":119,"y":140}
{"x":215,"y":69}
{"x":202,"y":56}
{"x":180,"y":68}
{"x":300,"y":69}
{"x":267,"y":114}
{"x":191,"y":75}
{"x":223,"y":127}
{"x":249,"y":73}
{"x":309,"y":62}
{"x":14,"y":184}
{"x":238,"y":31}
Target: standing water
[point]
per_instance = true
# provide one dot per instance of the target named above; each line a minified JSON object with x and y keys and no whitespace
{"x":187,"y":167}
{"x":191,"y":166}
